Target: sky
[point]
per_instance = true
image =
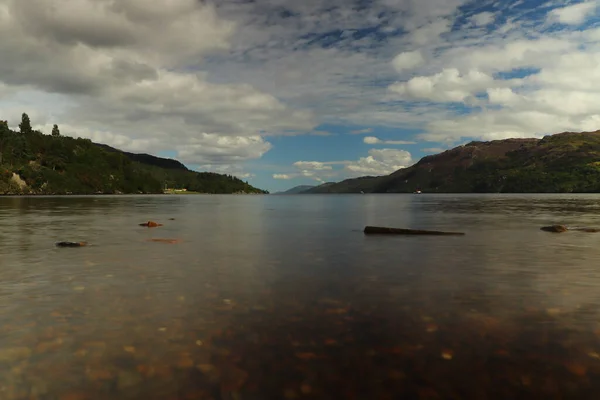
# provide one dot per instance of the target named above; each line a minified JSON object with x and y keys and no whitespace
{"x":285,"y":92}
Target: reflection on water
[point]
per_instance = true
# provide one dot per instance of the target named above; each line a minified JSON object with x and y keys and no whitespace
{"x":283,"y":297}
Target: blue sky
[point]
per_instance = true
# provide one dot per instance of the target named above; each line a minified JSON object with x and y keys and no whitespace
{"x":283,"y":93}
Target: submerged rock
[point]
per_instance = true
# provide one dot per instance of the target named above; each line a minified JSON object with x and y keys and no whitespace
{"x":590,"y":230}
{"x":161,"y":240}
{"x":397,"y":231}
{"x":151,"y":224}
{"x":562,"y":228}
{"x":71,"y":244}
{"x":555,"y":228}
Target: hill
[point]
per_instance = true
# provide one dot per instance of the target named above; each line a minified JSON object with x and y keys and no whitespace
{"x":297,"y":189}
{"x":567,"y":162}
{"x":34,"y":163}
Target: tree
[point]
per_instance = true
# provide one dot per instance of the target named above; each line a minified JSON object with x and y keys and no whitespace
{"x":25,"y":125}
{"x":55,"y":130}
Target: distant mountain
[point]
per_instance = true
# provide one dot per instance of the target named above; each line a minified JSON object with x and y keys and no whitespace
{"x":567,"y":162}
{"x":34,"y":163}
{"x":297,"y":189}
{"x":355,"y":185}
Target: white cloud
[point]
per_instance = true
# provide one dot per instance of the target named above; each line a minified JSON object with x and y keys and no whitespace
{"x":209,"y":148}
{"x":312,"y":165}
{"x":361,"y":131}
{"x":215,"y":79}
{"x":446,"y":86}
{"x":129,"y":74}
{"x":162,"y":31}
{"x":575,"y":70}
{"x":549,"y":80}
{"x":434,"y":150}
{"x":380,"y":162}
{"x":371,"y":140}
{"x":429,"y":33}
{"x":573,"y":14}
{"x":315,"y":170}
{"x":494,"y":125}
{"x":282,"y":176}
{"x":375,"y":140}
{"x":408,"y":60}
{"x":506,"y":54}
{"x":482,"y":19}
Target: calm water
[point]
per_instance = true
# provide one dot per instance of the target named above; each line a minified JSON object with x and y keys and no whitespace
{"x":283,"y":297}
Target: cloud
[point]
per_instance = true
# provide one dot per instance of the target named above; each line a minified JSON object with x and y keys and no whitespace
{"x":315,"y":170}
{"x":377,"y":162}
{"x":573,"y":14}
{"x":312,"y":165}
{"x":380,"y":162}
{"x":408,"y":60}
{"x":430,"y":32}
{"x":361,"y":131}
{"x":519,"y":79}
{"x":482,"y":19}
{"x":128,"y":74}
{"x":215,"y":80}
{"x":214,"y":149}
{"x":282,"y":176}
{"x":434,"y":150}
{"x":375,"y":140}
{"x":447,"y":86}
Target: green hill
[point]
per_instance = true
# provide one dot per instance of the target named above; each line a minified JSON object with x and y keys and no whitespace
{"x":567,"y":162}
{"x":34,"y":163}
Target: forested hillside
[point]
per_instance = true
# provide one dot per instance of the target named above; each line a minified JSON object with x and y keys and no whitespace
{"x":567,"y":162}
{"x":32,"y":162}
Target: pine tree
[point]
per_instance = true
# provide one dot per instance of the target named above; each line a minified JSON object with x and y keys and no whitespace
{"x":55,"y":130}
{"x":25,"y":125}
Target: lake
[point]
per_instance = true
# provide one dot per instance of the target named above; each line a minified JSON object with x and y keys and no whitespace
{"x":284,"y":297}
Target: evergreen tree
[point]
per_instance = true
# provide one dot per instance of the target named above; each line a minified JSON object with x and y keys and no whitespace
{"x":55,"y":130}
{"x":25,"y":125}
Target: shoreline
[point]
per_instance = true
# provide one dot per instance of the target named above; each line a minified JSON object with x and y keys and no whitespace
{"x":119,"y":194}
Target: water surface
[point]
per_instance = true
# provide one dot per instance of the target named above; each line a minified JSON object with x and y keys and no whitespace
{"x":283,"y":297}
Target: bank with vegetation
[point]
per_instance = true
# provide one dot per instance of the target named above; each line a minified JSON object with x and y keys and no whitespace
{"x":32,"y":162}
{"x":567,"y":162}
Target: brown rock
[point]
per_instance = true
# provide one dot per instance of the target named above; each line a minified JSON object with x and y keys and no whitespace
{"x":555,"y":228}
{"x":71,"y":244}
{"x":379,"y":230}
{"x":151,"y":224}
{"x":168,"y":241}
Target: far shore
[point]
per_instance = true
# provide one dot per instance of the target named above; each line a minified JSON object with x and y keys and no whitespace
{"x":117,"y":194}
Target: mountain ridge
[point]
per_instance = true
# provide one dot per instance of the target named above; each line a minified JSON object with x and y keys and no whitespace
{"x":567,"y":162}
{"x":296,"y":189}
